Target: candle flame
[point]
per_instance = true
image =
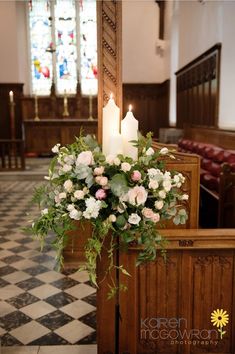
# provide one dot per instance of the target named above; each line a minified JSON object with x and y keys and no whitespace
{"x":111,"y":96}
{"x":130,"y":107}
{"x":11,"y":93}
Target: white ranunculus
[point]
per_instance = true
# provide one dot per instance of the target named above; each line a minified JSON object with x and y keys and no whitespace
{"x":79,"y":194}
{"x":167,"y":185}
{"x":85,"y":158}
{"x":55,"y":148}
{"x":70,"y":207}
{"x":153,"y":184}
{"x":116,"y":161}
{"x":150,"y":151}
{"x":159,"y":204}
{"x":137,"y":195}
{"x":134,"y":219}
{"x":62,"y":195}
{"x":125,"y":167}
{"x":162,"y":194}
{"x":112,"y":218}
{"x":164,"y":151}
{"x":44,"y":211}
{"x":75,"y":214}
{"x":67,"y":168}
{"x":68,"y":186}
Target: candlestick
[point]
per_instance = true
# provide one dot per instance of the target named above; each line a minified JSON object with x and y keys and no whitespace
{"x":129,"y":131}
{"x":111,"y":114}
{"x":90,"y":108}
{"x":12,"y":117}
{"x":36,"y":118}
{"x":66,"y":112}
{"x":11,"y":95}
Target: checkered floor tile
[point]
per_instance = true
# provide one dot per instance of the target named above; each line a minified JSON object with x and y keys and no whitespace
{"x":38,"y":306}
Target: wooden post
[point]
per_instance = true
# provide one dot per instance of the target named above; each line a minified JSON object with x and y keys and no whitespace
{"x":109,"y":24}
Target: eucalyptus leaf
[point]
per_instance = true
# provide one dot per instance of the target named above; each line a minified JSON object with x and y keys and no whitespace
{"x":119,"y":185}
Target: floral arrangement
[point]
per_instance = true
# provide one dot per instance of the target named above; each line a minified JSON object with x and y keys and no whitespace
{"x":125,"y":200}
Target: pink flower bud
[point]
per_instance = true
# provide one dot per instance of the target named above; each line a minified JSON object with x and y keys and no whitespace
{"x":100,"y":194}
{"x":136,"y":176}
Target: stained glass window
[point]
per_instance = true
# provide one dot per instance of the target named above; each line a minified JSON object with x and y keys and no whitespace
{"x":88,"y":51}
{"x":40,"y":40}
{"x":63,"y":41}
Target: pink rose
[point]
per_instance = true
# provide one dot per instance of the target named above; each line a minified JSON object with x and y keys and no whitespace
{"x":137,"y":195}
{"x":85,"y":158}
{"x":103,"y":181}
{"x":136,"y":176}
{"x":148,"y":213}
{"x":99,"y":170}
{"x":156,"y":217}
{"x":100,"y":194}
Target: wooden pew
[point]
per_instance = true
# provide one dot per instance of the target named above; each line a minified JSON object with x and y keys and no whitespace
{"x":196,"y":279}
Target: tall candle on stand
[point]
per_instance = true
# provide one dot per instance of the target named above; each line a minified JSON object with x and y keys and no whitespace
{"x":11,"y":95}
{"x":129,"y":131}
{"x":111,"y":114}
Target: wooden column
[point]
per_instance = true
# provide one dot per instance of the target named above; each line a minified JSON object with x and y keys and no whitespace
{"x":109,"y":24}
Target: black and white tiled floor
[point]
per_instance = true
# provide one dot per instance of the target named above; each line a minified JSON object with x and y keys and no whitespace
{"x":41,"y":310}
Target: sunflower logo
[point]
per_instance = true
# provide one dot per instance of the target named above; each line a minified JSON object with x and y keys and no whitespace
{"x":220,"y":319}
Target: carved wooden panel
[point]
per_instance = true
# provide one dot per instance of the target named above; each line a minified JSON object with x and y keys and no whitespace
{"x":109,"y":19}
{"x":150,"y":104}
{"x":198,"y":90}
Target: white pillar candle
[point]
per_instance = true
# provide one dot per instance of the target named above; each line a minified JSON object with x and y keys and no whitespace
{"x":116,"y":146}
{"x":11,"y":95}
{"x":129,"y":131}
{"x":111,"y":114}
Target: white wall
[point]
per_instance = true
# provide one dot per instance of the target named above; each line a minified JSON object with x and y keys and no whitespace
{"x":140,"y":29}
{"x":14,"y":65}
{"x":8,"y":43}
{"x":199,"y":27}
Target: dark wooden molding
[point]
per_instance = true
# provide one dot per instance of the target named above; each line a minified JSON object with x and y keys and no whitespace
{"x":109,"y":24}
{"x":198,"y":85}
{"x":161,"y":4}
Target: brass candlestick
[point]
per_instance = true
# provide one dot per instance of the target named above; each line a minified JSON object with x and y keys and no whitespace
{"x":90,"y":108}
{"x":65,"y":112}
{"x":36,"y":118}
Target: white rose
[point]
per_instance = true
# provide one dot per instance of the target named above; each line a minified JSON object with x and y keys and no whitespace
{"x":103,"y":181}
{"x":162,"y":194}
{"x":79,"y":194}
{"x":167,"y":175}
{"x":125,"y":167}
{"x":116,"y":161}
{"x":159,"y":204}
{"x":110,"y":159}
{"x":166,"y":185}
{"x":164,"y":151}
{"x":85,"y":158}
{"x":68,"y":185}
{"x":150,"y":151}
{"x":153,"y":184}
{"x":67,"y":168}
{"x":112,"y":218}
{"x":134,"y":219}
{"x":55,"y":148}
{"x":44,"y":211}
{"x":154,"y":173}
{"x":70,"y":207}
{"x":184,"y":197}
{"x":62,"y":195}
{"x":75,"y":214}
